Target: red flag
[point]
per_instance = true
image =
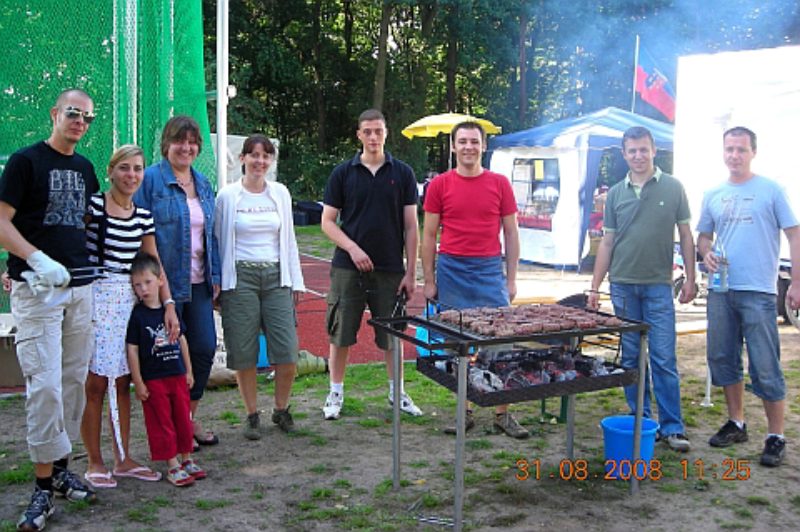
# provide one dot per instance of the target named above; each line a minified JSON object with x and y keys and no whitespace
{"x":653,"y":86}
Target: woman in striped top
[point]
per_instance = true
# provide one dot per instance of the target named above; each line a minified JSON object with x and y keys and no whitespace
{"x":116,"y":230}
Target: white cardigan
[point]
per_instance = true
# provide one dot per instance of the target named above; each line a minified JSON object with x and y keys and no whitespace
{"x":225,"y":231}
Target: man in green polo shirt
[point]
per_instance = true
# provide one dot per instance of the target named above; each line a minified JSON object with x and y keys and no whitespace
{"x":636,"y":250}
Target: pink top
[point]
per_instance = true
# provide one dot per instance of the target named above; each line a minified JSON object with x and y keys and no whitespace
{"x":198,"y":249}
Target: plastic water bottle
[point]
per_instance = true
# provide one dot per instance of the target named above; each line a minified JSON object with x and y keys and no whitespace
{"x":719,"y":279}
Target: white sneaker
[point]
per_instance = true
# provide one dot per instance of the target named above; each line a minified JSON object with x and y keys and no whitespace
{"x":406,"y":404}
{"x":333,"y":405}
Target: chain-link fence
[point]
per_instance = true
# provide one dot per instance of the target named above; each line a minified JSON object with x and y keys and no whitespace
{"x":140,"y":60}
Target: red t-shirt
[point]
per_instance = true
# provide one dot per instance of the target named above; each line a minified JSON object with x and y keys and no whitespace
{"x":471,"y":210}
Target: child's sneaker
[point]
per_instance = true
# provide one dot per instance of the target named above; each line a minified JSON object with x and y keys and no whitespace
{"x":333,"y":405}
{"x":68,"y":485}
{"x":40,"y":508}
{"x":197,"y":472}
{"x":178,"y":477}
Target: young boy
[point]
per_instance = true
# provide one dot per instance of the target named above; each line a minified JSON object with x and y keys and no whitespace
{"x":162,"y":374}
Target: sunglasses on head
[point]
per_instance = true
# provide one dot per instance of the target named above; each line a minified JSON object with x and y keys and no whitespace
{"x":73,"y":113}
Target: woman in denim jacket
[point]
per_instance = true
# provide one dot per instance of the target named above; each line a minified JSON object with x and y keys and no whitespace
{"x":181,"y":200}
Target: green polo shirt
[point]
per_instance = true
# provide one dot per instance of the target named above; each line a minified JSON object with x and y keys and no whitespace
{"x":643,"y":220}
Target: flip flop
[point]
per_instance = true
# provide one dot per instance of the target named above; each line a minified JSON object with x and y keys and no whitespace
{"x":100,"y":480}
{"x":140,"y":473}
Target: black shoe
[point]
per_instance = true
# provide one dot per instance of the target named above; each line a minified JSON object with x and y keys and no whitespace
{"x":252,"y":427}
{"x":469,"y":424}
{"x":774,"y":449}
{"x":283,"y":419}
{"x":68,"y":485}
{"x":39,"y":510}
{"x":729,"y":434}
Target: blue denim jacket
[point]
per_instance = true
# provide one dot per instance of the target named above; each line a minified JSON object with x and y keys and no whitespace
{"x":166,"y":200}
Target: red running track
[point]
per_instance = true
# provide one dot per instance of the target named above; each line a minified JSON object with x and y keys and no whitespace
{"x":311,"y":328}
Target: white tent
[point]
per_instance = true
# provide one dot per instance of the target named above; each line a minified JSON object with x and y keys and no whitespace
{"x":553,"y":169}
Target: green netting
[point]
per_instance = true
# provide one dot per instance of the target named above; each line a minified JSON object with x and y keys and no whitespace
{"x":140,"y":60}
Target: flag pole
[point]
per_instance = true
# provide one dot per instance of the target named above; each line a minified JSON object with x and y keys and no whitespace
{"x":635,"y":71}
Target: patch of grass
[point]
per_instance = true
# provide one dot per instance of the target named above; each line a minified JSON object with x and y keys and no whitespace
{"x":370,"y":423}
{"x":320,"y":469}
{"x":231,"y":418}
{"x":757,"y":500}
{"x":318,"y":441}
{"x":795,"y":501}
{"x":478,"y":444}
{"x":146,"y":514}
{"x":669,"y":488}
{"x":12,"y":401}
{"x":161,"y":502}
{"x":306,"y":506}
{"x":77,"y":506}
{"x":210,"y":504}
{"x":743,"y":513}
{"x":299,"y":415}
{"x":321,"y":493}
{"x":17,"y":474}
{"x":7,"y":526}
{"x":734,"y":526}
{"x":384,"y":487}
{"x":342,"y":483}
{"x":419,"y":464}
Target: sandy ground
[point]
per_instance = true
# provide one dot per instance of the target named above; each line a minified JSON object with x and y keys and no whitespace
{"x":336,"y":475}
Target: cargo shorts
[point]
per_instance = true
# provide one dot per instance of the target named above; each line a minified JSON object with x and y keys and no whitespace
{"x":351,"y":292}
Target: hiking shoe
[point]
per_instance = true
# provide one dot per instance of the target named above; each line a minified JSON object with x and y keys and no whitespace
{"x":283,"y":419}
{"x":678,"y":442}
{"x":406,"y":404}
{"x":71,"y":487}
{"x":774,"y":449}
{"x":40,"y":508}
{"x":333,"y":405}
{"x":728,"y":435}
{"x":505,"y":422}
{"x":252,"y":428}
{"x":197,"y":472}
{"x":469,"y":424}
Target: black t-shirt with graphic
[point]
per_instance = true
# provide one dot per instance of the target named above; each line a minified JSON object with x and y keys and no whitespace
{"x":157,"y":357}
{"x":50,"y":192}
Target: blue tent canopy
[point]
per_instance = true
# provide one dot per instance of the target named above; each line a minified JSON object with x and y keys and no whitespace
{"x":610,"y":117}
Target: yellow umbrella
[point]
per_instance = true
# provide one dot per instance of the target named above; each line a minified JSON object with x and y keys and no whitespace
{"x":433,"y":125}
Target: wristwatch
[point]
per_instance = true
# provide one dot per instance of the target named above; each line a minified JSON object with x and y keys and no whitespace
{"x":169,"y":301}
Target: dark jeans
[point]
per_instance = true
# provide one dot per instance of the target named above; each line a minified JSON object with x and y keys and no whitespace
{"x":201,"y":335}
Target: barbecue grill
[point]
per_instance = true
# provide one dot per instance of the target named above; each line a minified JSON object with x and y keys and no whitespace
{"x":460,"y":344}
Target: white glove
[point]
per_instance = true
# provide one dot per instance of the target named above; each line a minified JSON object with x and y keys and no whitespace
{"x":48,"y":271}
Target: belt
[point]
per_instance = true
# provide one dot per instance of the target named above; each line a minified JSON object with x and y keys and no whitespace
{"x":256,"y":264}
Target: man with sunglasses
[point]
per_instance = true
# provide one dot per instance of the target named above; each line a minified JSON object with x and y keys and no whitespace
{"x":44,"y":191}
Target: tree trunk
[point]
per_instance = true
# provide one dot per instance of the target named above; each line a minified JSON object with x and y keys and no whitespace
{"x":523,"y":66}
{"x":380,"y":71}
{"x":319,"y":96}
{"x":347,"y":7}
{"x":451,"y":70}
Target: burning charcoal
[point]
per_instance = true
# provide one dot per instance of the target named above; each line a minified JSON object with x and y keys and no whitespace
{"x":449,"y":316}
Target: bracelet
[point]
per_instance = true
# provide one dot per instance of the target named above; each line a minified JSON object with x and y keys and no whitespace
{"x":169,"y":301}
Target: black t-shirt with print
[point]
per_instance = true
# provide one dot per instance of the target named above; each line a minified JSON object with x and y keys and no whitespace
{"x":157,"y":357}
{"x":50,"y":192}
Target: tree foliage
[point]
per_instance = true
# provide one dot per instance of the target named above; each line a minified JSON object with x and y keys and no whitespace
{"x":305,"y":69}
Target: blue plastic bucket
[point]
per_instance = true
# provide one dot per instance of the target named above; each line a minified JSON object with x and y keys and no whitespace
{"x":618,"y":444}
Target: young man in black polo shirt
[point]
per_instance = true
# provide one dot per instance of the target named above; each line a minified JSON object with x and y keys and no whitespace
{"x":375,"y":196}
{"x":44,"y":191}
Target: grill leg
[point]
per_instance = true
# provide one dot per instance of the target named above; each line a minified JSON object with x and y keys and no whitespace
{"x":461,"y":417}
{"x":637,"y":427}
{"x":397,"y":360}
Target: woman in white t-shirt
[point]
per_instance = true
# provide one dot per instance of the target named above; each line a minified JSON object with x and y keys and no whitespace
{"x":261,"y":280}
{"x":116,"y":230}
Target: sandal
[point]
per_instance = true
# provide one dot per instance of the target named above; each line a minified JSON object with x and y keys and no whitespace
{"x":193,"y":469}
{"x":100,"y":480}
{"x":139,"y":472}
{"x":178,"y":477}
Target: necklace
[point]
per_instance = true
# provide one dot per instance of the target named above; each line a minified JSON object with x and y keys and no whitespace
{"x":120,"y":205}
{"x":186,"y":183}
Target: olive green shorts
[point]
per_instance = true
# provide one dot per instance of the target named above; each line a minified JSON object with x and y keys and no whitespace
{"x":258,"y":303}
{"x":351,"y":291}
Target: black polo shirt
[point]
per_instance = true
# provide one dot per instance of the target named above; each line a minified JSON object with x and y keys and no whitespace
{"x":371,"y":209}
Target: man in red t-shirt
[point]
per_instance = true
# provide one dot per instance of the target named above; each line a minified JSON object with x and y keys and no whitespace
{"x":472,"y":205}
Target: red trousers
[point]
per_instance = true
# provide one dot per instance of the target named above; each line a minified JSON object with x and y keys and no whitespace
{"x":167,"y":418}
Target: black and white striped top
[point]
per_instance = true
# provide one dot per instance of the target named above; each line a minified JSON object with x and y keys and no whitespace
{"x":123,"y":236}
